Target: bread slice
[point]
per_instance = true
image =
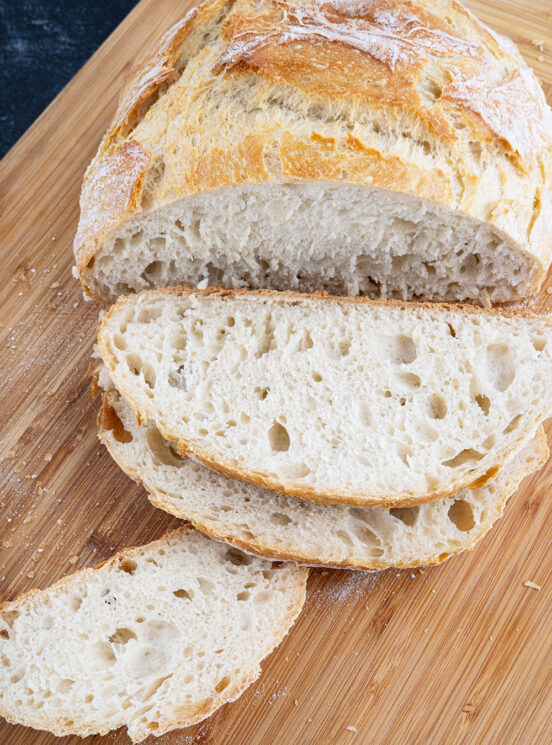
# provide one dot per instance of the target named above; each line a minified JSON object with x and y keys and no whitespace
{"x":333,"y":399}
{"x":357,"y":147}
{"x":156,"y":638}
{"x":269,"y":524}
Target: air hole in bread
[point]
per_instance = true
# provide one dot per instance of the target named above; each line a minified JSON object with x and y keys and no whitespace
{"x":387,"y":394}
{"x":278,"y":438}
{"x":461,"y":514}
{"x":237,"y":557}
{"x":262,"y":597}
{"x":403,"y":350}
{"x":305,"y":342}
{"x":128,"y":565}
{"x":344,"y":348}
{"x":452,"y":330}
{"x":261,"y":393}
{"x":91,"y":263}
{"x":500,"y":366}
{"x":154,"y":272}
{"x":267,"y":339}
{"x":317,"y":377}
{"x":295,"y":470}
{"x":368,"y":538}
{"x":222,"y":684}
{"x":465,"y":457}
{"x":489,"y":442}
{"x":483,"y":402}
{"x":119,"y":341}
{"x":408,"y":379}
{"x":187,"y":594}
{"x":148,"y":314}
{"x":109,"y":420}
{"x":278,"y":518}
{"x":75,"y":602}
{"x":4,"y":661}
{"x":179,"y":340}
{"x":122,"y":636}
{"x":177,"y":378}
{"x":407,"y":515}
{"x":4,"y":634}
{"x":243,"y":595}
{"x":514,"y":424}
{"x":345,"y":537}
{"x":206,"y":585}
{"x":137,"y":366}
{"x":103,"y":654}
{"x":427,"y":433}
{"x":404,"y":454}
{"x":539,"y":343}
{"x":162,"y":451}
{"x":153,"y":726}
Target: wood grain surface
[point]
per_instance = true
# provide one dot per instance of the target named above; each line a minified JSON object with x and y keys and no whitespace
{"x":460,"y":653}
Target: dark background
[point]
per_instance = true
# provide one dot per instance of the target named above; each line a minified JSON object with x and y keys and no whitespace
{"x":42,"y":45}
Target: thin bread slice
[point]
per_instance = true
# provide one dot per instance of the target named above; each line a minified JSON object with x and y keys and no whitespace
{"x":272,"y":525}
{"x":156,"y":638}
{"x":336,"y":400}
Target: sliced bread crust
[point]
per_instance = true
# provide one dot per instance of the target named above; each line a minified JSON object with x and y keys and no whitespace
{"x":156,"y":638}
{"x":389,"y":404}
{"x":268,"y":524}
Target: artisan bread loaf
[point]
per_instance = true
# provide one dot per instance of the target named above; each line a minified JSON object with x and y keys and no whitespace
{"x":382,"y":148}
{"x":340,"y":400}
{"x":156,"y":638}
{"x":270,"y":524}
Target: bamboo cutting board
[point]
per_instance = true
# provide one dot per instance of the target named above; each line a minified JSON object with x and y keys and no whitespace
{"x":460,"y":653}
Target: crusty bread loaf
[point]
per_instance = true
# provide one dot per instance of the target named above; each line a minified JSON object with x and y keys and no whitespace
{"x":392,"y":148}
{"x":270,"y":524}
{"x":156,"y":638}
{"x":340,"y":400}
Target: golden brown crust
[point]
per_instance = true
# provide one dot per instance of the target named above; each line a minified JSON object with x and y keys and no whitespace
{"x":414,"y":96}
{"x":111,"y":190}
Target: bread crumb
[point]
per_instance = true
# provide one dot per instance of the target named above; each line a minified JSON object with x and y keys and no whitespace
{"x":532,"y":585}
{"x":539,"y":43}
{"x":73,"y":559}
{"x":48,"y":457}
{"x":5,"y":544}
{"x":296,"y":702}
{"x":351,"y":729}
{"x":549,"y":291}
{"x":30,"y":575}
{"x":54,"y":285}
{"x":540,"y":58}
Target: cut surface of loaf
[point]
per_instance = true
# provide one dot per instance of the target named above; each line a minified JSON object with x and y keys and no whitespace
{"x":281,"y":527}
{"x":359,"y":148}
{"x":333,"y":399}
{"x":156,"y":638}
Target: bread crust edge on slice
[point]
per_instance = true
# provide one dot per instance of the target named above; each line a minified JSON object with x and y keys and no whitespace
{"x":158,"y":500}
{"x":197,"y":714}
{"x":213,"y":461}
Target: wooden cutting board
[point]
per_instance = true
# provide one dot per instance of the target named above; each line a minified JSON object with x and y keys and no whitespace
{"x":460,"y":653}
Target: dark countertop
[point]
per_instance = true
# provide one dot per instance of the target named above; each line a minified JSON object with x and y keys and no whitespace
{"x":42,"y":45}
